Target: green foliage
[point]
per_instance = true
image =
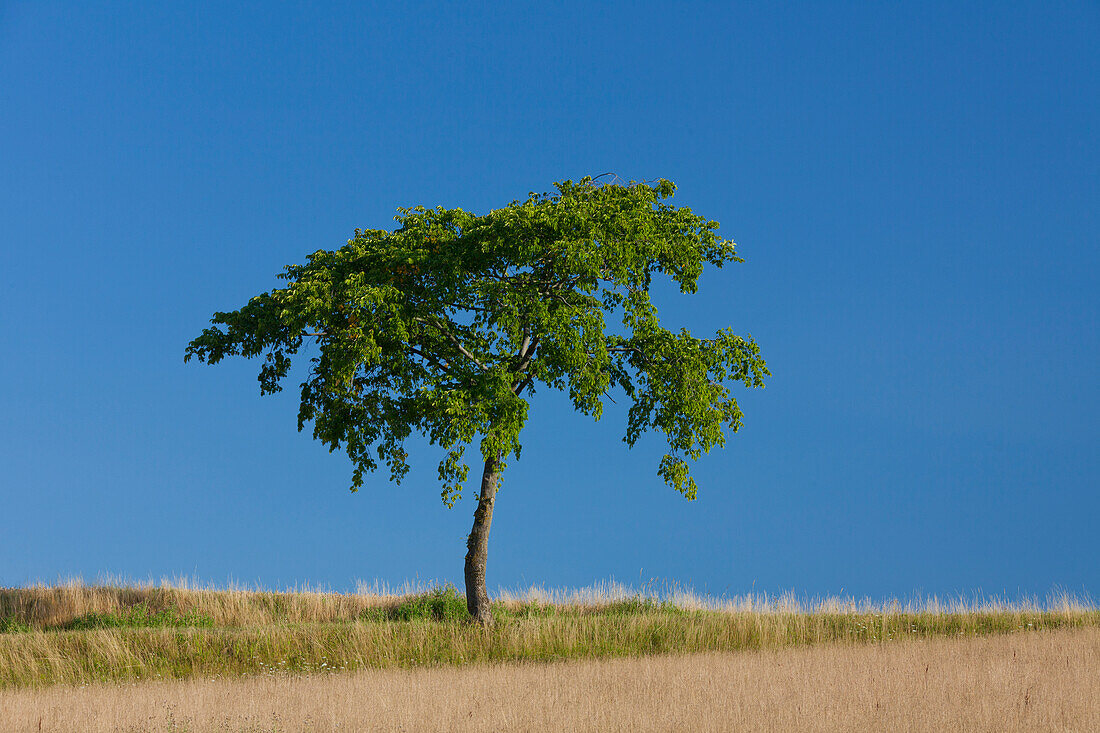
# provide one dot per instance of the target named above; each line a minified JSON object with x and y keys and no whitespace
{"x":513,"y":612}
{"x":438,"y":604}
{"x":140,"y":615}
{"x":445,"y":326}
{"x":446,"y":603}
{"x":12,"y":625}
{"x":636,"y":606}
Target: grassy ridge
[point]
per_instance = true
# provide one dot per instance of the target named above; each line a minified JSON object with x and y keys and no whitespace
{"x":79,"y":634}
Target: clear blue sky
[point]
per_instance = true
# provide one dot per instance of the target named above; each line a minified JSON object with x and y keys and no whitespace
{"x":916,"y":190}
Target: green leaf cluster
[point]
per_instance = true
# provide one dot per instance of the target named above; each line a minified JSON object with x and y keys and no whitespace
{"x":447,"y":326}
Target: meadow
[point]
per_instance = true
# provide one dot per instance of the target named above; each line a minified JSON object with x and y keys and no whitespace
{"x":1031,"y":681}
{"x":77,"y":634}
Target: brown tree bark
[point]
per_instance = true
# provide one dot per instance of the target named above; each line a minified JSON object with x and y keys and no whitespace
{"x":477,"y":546}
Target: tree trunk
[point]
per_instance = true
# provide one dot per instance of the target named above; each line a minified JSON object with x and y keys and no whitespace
{"x":477,"y":546}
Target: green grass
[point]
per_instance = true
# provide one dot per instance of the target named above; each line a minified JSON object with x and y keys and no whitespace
{"x":51,"y":636}
{"x":13,"y":625}
{"x":438,"y":604}
{"x":134,"y":617}
{"x":447,"y":603}
{"x":139,"y":616}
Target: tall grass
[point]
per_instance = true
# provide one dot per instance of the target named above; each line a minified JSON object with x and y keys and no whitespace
{"x":76,"y":633}
{"x":1018,"y":683}
{"x":52,"y":607}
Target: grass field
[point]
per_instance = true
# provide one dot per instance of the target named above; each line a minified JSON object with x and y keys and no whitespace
{"x":1032,"y":681}
{"x":79,"y":634}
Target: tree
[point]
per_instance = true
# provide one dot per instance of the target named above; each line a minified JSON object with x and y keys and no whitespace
{"x":446,"y":325}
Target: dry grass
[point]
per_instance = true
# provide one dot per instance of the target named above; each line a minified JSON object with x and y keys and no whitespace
{"x":44,"y":606}
{"x":1043,"y":681}
{"x":162,"y":632}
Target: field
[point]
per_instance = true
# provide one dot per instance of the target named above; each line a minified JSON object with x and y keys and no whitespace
{"x":322,"y":661}
{"x":1034,"y":681}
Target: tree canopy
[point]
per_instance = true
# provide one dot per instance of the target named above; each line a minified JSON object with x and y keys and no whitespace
{"x":448,"y":324}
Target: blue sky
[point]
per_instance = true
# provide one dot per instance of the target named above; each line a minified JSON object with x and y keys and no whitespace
{"x":915,"y":189}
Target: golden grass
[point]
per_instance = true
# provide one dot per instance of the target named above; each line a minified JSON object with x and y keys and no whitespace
{"x":1041,"y":681}
{"x":43,"y":606}
{"x":255,"y":633}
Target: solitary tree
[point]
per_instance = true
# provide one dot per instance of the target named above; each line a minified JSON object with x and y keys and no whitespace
{"x":446,"y":325}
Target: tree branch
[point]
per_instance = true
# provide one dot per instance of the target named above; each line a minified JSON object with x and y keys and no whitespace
{"x":441,"y":363}
{"x":458,"y":344}
{"x":634,"y":349}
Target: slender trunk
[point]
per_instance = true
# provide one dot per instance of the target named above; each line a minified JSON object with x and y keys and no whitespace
{"x":477,"y":546}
